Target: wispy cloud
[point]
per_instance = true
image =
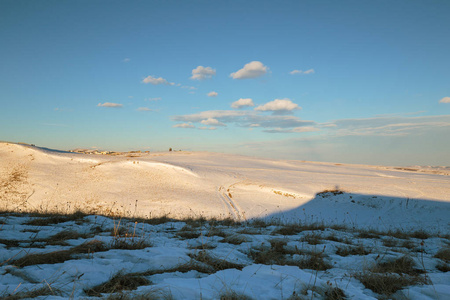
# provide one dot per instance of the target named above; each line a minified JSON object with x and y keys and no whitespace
{"x":201,"y":73}
{"x":156,"y":80}
{"x":212,"y":94}
{"x":109,"y":104}
{"x":386,"y":126}
{"x":310,"y":71}
{"x":153,"y":99}
{"x":126,"y":60}
{"x":243,"y":102}
{"x":207,"y":128}
{"x":445,"y":100}
{"x":188,"y":87}
{"x":293,"y":130}
{"x":184,"y":125}
{"x":279,"y":106}
{"x":253,"y":69}
{"x":212,"y":121}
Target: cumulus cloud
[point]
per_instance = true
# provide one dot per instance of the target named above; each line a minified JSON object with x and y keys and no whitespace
{"x":251,"y":70}
{"x":279,"y":106}
{"x":243,"y":102}
{"x":201,"y":73}
{"x":156,"y":81}
{"x":310,"y":71}
{"x":109,"y":104}
{"x":445,"y":100}
{"x":184,"y":125}
{"x":212,"y":94}
{"x":212,"y":121}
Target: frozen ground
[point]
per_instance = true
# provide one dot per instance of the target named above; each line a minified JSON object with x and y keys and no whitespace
{"x":79,"y":257}
{"x":379,"y":232}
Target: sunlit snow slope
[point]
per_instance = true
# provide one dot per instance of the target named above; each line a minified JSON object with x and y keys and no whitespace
{"x":181,"y":184}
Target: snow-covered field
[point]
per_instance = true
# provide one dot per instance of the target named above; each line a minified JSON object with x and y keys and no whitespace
{"x":376,"y":224}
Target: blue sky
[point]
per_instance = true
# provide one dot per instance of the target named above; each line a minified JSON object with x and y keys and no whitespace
{"x":342,"y":81}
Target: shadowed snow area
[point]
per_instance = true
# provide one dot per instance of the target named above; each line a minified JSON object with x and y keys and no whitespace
{"x":193,"y":184}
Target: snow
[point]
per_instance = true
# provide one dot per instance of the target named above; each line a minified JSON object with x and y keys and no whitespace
{"x":116,"y":191}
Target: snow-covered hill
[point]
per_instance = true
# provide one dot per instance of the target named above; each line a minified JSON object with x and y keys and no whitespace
{"x":193,"y":184}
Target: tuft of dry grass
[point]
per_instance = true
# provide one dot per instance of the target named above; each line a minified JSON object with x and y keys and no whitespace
{"x":188,"y":233}
{"x":129,"y":243}
{"x":402,"y":265}
{"x":10,"y":243}
{"x":233,"y":295}
{"x":357,"y":250}
{"x":235,"y":239}
{"x":217,"y":264}
{"x":45,"y":290}
{"x":118,"y":283}
{"x":385,"y":278}
{"x":312,"y":238}
{"x":56,"y":257}
{"x":50,"y":219}
{"x":328,"y":193}
{"x":443,"y":254}
{"x":293,"y":229}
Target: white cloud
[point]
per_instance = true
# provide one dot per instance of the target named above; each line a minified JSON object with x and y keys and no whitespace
{"x":445,"y":100}
{"x":184,"y":125}
{"x":156,"y":81}
{"x":212,"y":121}
{"x":251,"y":70}
{"x":153,"y":99}
{"x":293,"y":130}
{"x":387,"y":126}
{"x":207,"y":128}
{"x":109,"y":104}
{"x":279,"y":106}
{"x":244,"y":119}
{"x":212,"y":94}
{"x":201,"y":73}
{"x":310,"y":71}
{"x":126,"y":60}
{"x":243,"y":102}
{"x":144,"y":109}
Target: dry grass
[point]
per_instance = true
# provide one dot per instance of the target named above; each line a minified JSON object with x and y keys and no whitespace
{"x":233,"y":295}
{"x":293,"y":229}
{"x":118,"y":283}
{"x":9,"y":243}
{"x":60,"y":256}
{"x":217,"y":264}
{"x":386,"y":278}
{"x":188,"y":233}
{"x":45,"y":290}
{"x":349,"y":250}
{"x":312,"y":238}
{"x":129,"y":243}
{"x":235,"y":239}
{"x":50,"y":219}
{"x":443,"y":254}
